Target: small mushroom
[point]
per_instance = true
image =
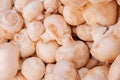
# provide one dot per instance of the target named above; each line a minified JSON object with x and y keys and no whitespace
{"x":55,"y":27}
{"x":83,"y":32}
{"x":26,"y":46}
{"x":33,"y":68}
{"x":32,"y":10}
{"x":65,"y":70}
{"x":11,"y":22}
{"x":74,"y":51}
{"x":98,"y":13}
{"x":47,"y":51}
{"x":73,"y":15}
{"x":35,"y":29}
{"x":97,"y":73}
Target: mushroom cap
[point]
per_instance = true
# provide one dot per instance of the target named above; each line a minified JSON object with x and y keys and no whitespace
{"x":9,"y":56}
{"x":33,"y":68}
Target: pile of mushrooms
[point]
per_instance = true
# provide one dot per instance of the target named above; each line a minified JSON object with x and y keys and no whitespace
{"x":59,"y":39}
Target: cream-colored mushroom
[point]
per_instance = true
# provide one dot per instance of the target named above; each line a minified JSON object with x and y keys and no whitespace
{"x":35,"y":29}
{"x":11,"y":22}
{"x":106,"y":46}
{"x":75,"y":51}
{"x":26,"y":46}
{"x":83,"y":32}
{"x":100,"y":1}
{"x":56,"y":27}
{"x":47,"y":51}
{"x":51,"y":5}
{"x":5,"y":5}
{"x":32,"y":10}
{"x":9,"y":56}
{"x":49,"y":72}
{"x":74,"y":3}
{"x":73,"y":15}
{"x":33,"y":68}
{"x":98,"y":13}
{"x":97,"y":73}
{"x":82,"y":71}
{"x":19,"y":76}
{"x":92,"y":63}
{"x":65,"y":70}
{"x":114,"y":72}
{"x":20,"y":4}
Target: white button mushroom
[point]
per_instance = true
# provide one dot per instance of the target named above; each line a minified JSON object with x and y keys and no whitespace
{"x":73,"y":15}
{"x":97,"y":73}
{"x":106,"y":46}
{"x":65,"y":70}
{"x":56,"y":27}
{"x":51,"y":5}
{"x":47,"y":51}
{"x":34,"y":30}
{"x":98,"y":13}
{"x":26,"y":46}
{"x":11,"y":22}
{"x":33,"y":68}
{"x":32,"y":10}
{"x":83,"y":32}
{"x":75,"y":51}
{"x":9,"y":56}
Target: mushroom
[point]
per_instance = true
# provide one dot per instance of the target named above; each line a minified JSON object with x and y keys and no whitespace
{"x":51,"y":5}
{"x":97,"y":73}
{"x":32,"y":10}
{"x":65,"y":70}
{"x":106,"y":46}
{"x":98,"y":13}
{"x":73,"y":15}
{"x":47,"y":51}
{"x":11,"y":22}
{"x":9,"y":56}
{"x":33,"y":68}
{"x":74,"y":51}
{"x":83,"y":32}
{"x":26,"y":46}
{"x":55,"y":27}
{"x":35,"y":29}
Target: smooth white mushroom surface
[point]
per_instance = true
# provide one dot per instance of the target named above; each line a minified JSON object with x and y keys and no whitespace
{"x":33,"y":68}
{"x":59,"y":39}
{"x":9,"y":56}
